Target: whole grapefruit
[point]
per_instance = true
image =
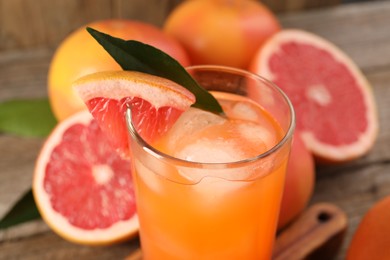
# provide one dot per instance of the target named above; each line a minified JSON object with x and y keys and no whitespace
{"x":221,"y":32}
{"x":372,"y":237}
{"x":334,"y":102}
{"x":79,"y":54}
{"x":299,"y":183}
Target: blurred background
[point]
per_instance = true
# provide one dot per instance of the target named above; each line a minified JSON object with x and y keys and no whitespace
{"x":44,"y":23}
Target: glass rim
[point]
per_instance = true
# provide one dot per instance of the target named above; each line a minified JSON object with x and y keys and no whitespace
{"x":216,"y":165}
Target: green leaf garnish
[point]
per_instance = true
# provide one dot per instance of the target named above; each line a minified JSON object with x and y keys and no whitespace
{"x":29,"y":118}
{"x":137,"y":56}
{"x":23,"y":210}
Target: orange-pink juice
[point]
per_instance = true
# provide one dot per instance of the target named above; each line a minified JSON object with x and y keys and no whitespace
{"x":207,"y":205}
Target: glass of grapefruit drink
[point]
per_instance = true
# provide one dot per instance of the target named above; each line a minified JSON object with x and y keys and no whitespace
{"x":211,"y":186}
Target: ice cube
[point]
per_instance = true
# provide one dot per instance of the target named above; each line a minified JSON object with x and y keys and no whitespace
{"x":245,"y":111}
{"x":258,"y":136}
{"x":210,"y":151}
{"x":231,"y":142}
{"x":191,"y":121}
{"x":218,"y":150}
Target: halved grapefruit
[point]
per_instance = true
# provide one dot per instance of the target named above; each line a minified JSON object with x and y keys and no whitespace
{"x":82,"y":187}
{"x":334,"y":103}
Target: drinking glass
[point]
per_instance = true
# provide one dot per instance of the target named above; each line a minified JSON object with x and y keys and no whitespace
{"x":214,"y":210}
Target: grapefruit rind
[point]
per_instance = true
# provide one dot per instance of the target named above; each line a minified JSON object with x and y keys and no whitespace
{"x":322,"y":151}
{"x":117,"y":232}
{"x":120,"y":84}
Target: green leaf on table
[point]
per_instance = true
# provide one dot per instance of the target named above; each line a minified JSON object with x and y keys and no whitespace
{"x":137,"y":56}
{"x":24,"y":210}
{"x":27,"y":117}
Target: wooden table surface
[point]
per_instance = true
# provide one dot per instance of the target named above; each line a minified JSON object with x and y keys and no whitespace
{"x":362,"y":30}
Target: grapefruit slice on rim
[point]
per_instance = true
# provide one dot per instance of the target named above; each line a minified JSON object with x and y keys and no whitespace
{"x":82,"y":187}
{"x":156,"y":103}
{"x":334,"y":103}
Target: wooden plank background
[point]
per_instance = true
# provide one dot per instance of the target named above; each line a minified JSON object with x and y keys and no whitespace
{"x":44,"y":23}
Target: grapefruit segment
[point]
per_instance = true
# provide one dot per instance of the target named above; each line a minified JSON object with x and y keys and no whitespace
{"x":82,"y":187}
{"x":336,"y":111}
{"x":156,"y":103}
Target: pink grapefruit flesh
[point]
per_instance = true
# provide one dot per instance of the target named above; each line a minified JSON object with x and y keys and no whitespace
{"x":335,"y":107}
{"x":82,"y":187}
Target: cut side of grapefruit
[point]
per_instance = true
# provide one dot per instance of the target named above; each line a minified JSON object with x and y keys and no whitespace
{"x":334,"y":103}
{"x":82,"y":187}
{"x":156,"y":103}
